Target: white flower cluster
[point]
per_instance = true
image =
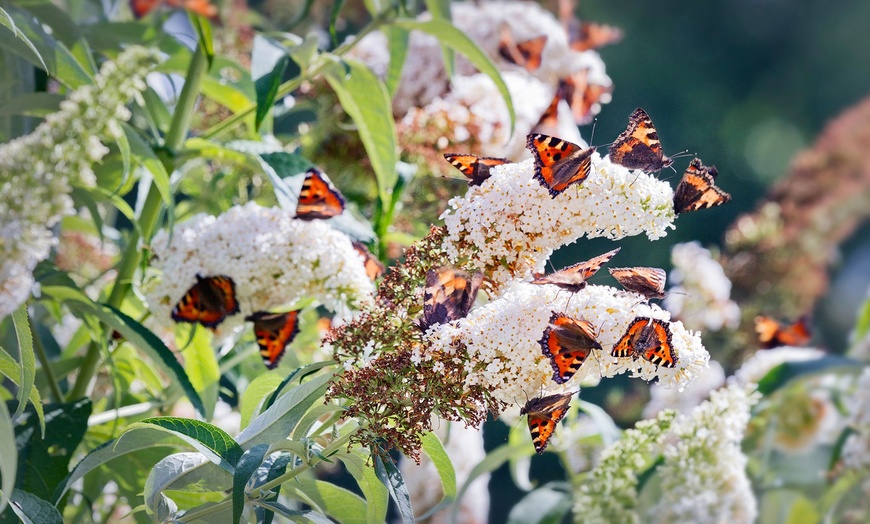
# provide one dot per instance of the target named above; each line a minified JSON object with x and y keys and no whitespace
{"x":509,"y":226}
{"x":38,"y":170}
{"x":856,"y":452}
{"x":273,"y":258}
{"x":502,"y":340}
{"x":760,"y":364}
{"x":703,"y":477}
{"x":700,"y":293}
{"x":683,"y":402}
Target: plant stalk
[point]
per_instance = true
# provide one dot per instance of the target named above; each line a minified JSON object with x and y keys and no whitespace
{"x":46,"y":367}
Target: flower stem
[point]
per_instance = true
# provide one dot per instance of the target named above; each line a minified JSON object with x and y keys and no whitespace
{"x":46,"y":367}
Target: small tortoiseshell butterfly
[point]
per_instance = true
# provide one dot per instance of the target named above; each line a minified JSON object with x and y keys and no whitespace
{"x":583,"y":97}
{"x":526,"y":54}
{"x":208,"y":302}
{"x":475,"y":168}
{"x":550,"y":119}
{"x":141,"y":8}
{"x":638,"y":147}
{"x":589,"y":35}
{"x":573,"y":278}
{"x":567,"y":342}
{"x":649,"y":338}
{"x":544,"y":413}
{"x":274,"y":332}
{"x":448,"y":296}
{"x":697,"y":189}
{"x":647,"y":281}
{"x":374,"y":267}
{"x":772,"y":333}
{"x":559,"y":163}
{"x":318,"y":198}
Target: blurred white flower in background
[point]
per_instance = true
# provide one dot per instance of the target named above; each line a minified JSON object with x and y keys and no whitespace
{"x":700,"y":293}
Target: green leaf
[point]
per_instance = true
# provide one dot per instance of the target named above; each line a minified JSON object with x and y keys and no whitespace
{"x":784,"y":373}
{"x":440,"y":10}
{"x":269,"y":62}
{"x":803,"y":511}
{"x":247,"y":465}
{"x":11,"y":370}
{"x":26,"y":356}
{"x":276,"y":469}
{"x":141,"y":337}
{"x":391,"y":477}
{"x":296,"y":374}
{"x":862,"y":325}
{"x":204,"y":33}
{"x":397,"y":42}
{"x":255,"y":395}
{"x":434,"y":449}
{"x":339,"y":503}
{"x":8,"y":456}
{"x":32,"y":104}
{"x":213,"y":442}
{"x":34,"y":510}
{"x":228,"y":84}
{"x":364,"y":97}
{"x":187,"y":472}
{"x":9,"y":23}
{"x":202,"y":368}
{"x":376,"y":494}
{"x":145,"y":157}
{"x":295,"y":515}
{"x":548,"y":504}
{"x":63,"y":28}
{"x":493,"y":460}
{"x":452,"y":37}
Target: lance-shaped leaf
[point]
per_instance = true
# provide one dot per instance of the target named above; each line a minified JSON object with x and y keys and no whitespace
{"x":213,"y":442}
{"x":25,"y":355}
{"x":434,"y":449}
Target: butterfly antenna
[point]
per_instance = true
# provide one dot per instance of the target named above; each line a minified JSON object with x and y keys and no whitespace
{"x":592,"y":134}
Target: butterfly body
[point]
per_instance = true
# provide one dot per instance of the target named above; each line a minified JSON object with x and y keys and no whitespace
{"x":772,"y":333}
{"x":527,"y":54}
{"x":318,"y":199}
{"x":573,"y":278}
{"x":647,"y":281}
{"x":274,"y":332}
{"x":208,"y":302}
{"x":697,"y":189}
{"x":649,"y":338}
{"x":567,"y":342}
{"x":474,"y":167}
{"x":543,"y":415}
{"x":374,"y":268}
{"x":638,"y":147}
{"x":559,"y":164}
{"x":449,"y":295}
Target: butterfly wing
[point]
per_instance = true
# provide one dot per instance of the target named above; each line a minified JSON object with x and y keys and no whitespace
{"x":559,"y":163}
{"x":590,"y":35}
{"x":532,"y":51}
{"x":638,"y":147}
{"x":449,"y":295}
{"x":274,"y":332}
{"x":475,"y":168}
{"x":374,"y":267}
{"x":647,"y":281}
{"x":141,"y":8}
{"x":208,"y":302}
{"x":567,"y":342}
{"x":573,"y":278}
{"x":772,"y":333}
{"x":318,"y":199}
{"x":544,"y":414}
{"x":200,"y":7}
{"x":656,"y":346}
{"x":697,"y":189}
{"x":625,"y":347}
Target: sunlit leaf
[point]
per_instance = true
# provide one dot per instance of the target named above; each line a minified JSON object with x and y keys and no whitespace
{"x":375,"y":492}
{"x":26,"y":357}
{"x":391,"y":477}
{"x":8,"y":456}
{"x":34,"y":510}
{"x":434,"y":449}
{"x":213,"y":442}
{"x":202,"y":368}
{"x":548,"y":504}
{"x":245,"y":468}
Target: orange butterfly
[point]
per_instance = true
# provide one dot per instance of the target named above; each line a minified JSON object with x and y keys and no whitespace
{"x":475,"y":168}
{"x":526,"y":54}
{"x":549,"y":121}
{"x":318,"y":198}
{"x":567,"y":342}
{"x":374,"y":268}
{"x":141,"y":8}
{"x":274,"y":332}
{"x":559,"y":163}
{"x":573,"y":278}
{"x":583,"y":97}
{"x":697,"y":189}
{"x":208,"y":302}
{"x":449,"y":295}
{"x":772,"y":333}
{"x":647,"y":281}
{"x":649,"y":338}
{"x":589,"y":35}
{"x":544,"y":413}
{"x":638,"y":147}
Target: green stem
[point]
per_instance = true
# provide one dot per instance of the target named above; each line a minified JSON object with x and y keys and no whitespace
{"x":150,"y":210}
{"x":46,"y":367}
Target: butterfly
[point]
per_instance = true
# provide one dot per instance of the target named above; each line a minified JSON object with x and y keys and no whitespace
{"x":318,"y":198}
{"x":374,"y":267}
{"x":526,"y":54}
{"x":567,"y":342}
{"x":476,"y":168}
{"x":573,"y":278}
{"x":274,"y":332}
{"x":559,"y":163}
{"x":589,"y":35}
{"x":697,"y":189}
{"x":772,"y":333}
{"x":208,"y":302}
{"x":449,"y":295}
{"x":649,"y":338}
{"x":638,"y":147}
{"x":583,"y":97}
{"x":544,"y":413}
{"x":647,"y":281}
{"x":141,"y":8}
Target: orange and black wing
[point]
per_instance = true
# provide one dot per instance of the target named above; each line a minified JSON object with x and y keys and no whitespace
{"x":318,"y":198}
{"x":625,"y":347}
{"x":526,"y":54}
{"x":638,"y":147}
{"x":583,"y":96}
{"x":274,"y":332}
{"x":449,"y":295}
{"x":141,"y":8}
{"x":208,"y":302}
{"x":475,"y":168}
{"x":573,"y":278}
{"x":772,"y":333}
{"x":374,"y":267}
{"x":592,"y":36}
{"x":656,"y":346}
{"x":647,"y":281}
{"x":544,"y":413}
{"x":698,"y":190}
{"x":567,"y":342}
{"x":550,"y":119}
{"x":559,"y":163}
